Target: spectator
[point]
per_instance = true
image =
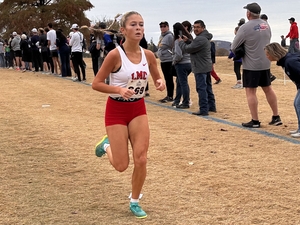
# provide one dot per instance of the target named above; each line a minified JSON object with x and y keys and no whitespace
{"x":237,"y":62}
{"x":44,"y":51}
{"x":51,"y":37}
{"x":36,"y":55}
{"x":199,"y":49}
{"x":15,"y":47}
{"x":256,"y":66}
{"x":182,"y":63}
{"x":291,"y":65}
{"x":283,"y":42}
{"x":293,"y":35}
{"x":76,"y":44}
{"x":164,"y":53}
{"x":2,"y":51}
{"x":25,"y":46}
{"x":8,"y":58}
{"x":265,"y":18}
{"x":64,"y":52}
{"x":213,"y":59}
{"x":95,"y":44}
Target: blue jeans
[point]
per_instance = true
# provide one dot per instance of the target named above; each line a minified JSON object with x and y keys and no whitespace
{"x":297,"y":107}
{"x":293,"y":46}
{"x":206,"y":98}
{"x":182,"y":86}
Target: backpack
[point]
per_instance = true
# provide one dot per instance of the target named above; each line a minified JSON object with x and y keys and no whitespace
{"x":82,"y":40}
{"x":83,"y":43}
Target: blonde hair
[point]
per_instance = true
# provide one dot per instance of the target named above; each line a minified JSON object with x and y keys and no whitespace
{"x":275,"y":50}
{"x":125,"y":17}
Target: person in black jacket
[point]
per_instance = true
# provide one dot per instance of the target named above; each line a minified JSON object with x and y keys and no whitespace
{"x":36,"y":55}
{"x":25,"y":47}
{"x":94,"y":50}
{"x":265,"y":18}
{"x":291,"y":65}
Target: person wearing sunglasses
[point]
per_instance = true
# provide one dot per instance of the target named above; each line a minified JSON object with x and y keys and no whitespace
{"x":165,"y":54}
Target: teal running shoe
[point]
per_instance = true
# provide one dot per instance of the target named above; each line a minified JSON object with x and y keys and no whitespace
{"x":100,"y":146}
{"x":137,"y":210}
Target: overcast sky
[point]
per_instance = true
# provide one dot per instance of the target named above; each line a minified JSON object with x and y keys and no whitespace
{"x":220,"y":17}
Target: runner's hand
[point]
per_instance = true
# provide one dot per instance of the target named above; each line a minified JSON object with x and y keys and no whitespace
{"x":160,"y":85}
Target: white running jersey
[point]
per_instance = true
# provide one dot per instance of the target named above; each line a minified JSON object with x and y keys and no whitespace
{"x":130,"y":75}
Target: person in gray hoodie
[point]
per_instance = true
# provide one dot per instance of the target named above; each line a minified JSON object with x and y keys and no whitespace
{"x":15,"y":45}
{"x":165,"y":54}
{"x":199,"y":49}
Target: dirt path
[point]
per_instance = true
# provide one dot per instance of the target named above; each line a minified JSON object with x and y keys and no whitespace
{"x":200,"y":170}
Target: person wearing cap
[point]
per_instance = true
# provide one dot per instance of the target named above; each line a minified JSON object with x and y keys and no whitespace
{"x":51,"y":37}
{"x":255,"y":35}
{"x":36,"y":55}
{"x":293,"y":35}
{"x":15,"y":46}
{"x":164,"y":53}
{"x":76,"y":44}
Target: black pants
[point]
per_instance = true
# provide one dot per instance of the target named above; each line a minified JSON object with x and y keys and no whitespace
{"x":95,"y":64}
{"x":237,"y":70}
{"x":168,"y":72}
{"x":36,"y":59}
{"x":78,"y":62}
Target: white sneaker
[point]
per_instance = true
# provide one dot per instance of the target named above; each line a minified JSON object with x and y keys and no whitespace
{"x":190,"y":103}
{"x":296,"y":135}
{"x":237,"y":86}
{"x":293,"y":131}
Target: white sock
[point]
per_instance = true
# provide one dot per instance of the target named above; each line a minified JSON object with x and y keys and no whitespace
{"x":134,"y":200}
{"x":106,"y":146}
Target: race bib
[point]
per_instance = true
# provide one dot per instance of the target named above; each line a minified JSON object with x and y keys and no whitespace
{"x":139,"y":87}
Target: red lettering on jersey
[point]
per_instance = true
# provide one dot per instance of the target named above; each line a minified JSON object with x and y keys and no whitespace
{"x":142,"y":75}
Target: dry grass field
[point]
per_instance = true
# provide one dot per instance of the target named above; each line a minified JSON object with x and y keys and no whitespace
{"x":200,"y":170}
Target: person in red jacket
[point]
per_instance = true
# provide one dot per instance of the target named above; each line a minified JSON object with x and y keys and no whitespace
{"x":293,"y":35}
